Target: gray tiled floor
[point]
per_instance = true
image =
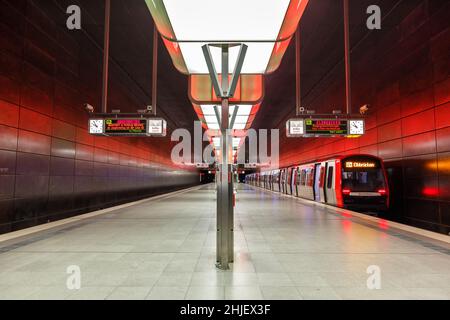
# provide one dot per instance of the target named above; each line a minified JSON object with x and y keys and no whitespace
{"x":164,"y":249}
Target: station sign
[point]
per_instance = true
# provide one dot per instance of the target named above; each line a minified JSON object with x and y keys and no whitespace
{"x":130,"y":127}
{"x":250,"y":165}
{"x":325,"y":127}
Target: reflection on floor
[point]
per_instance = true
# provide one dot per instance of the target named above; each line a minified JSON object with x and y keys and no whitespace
{"x":165,"y":249}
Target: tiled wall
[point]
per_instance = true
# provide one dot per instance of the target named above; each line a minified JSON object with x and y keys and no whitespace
{"x":50,"y":168}
{"x":403,"y":72}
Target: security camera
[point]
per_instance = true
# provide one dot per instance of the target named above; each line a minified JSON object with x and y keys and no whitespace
{"x":149,"y":109}
{"x":89,"y":108}
{"x":364,"y":109}
{"x":302,"y":110}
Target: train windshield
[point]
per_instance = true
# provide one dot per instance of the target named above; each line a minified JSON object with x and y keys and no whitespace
{"x":363,"y":175}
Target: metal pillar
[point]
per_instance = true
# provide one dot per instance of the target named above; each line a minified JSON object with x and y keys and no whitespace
{"x":155,"y":70}
{"x":297,"y":71}
{"x":225,"y":188}
{"x":106,"y":57}
{"x":225,"y":208}
{"x":348,"y":80}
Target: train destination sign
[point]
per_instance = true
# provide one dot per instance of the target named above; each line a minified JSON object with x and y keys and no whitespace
{"x":323,"y":127}
{"x":358,"y":164}
{"x":128,"y":127}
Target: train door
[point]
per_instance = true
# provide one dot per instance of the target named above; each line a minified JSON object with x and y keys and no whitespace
{"x":317,"y":182}
{"x":330,"y":183}
{"x":293,"y":176}
{"x":282,"y":181}
{"x":323,"y":174}
{"x":288,"y":180}
{"x":286,"y":177}
{"x":272,"y":180}
{"x":297,"y":181}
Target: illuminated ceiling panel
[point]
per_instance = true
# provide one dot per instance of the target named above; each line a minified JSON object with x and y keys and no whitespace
{"x":265,"y":26}
{"x":250,"y":89}
{"x":240,"y":121}
{"x":256,"y":60}
{"x":189,"y":18}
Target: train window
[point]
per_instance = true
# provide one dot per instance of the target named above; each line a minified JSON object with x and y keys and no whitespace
{"x":363,"y":181}
{"x":310,"y":180}
{"x":303,"y":178}
{"x":330,"y":177}
{"x":322,"y":177}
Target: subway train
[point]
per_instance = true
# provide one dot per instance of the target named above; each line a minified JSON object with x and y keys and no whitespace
{"x":357,"y":182}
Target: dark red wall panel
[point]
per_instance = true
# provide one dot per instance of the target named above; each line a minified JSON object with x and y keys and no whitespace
{"x":403,"y":73}
{"x":50,"y":167}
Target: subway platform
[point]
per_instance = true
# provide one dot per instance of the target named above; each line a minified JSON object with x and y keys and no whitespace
{"x":164,"y":248}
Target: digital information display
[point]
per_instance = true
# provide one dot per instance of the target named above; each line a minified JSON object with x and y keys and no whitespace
{"x":128,"y":127}
{"x":325,"y":127}
{"x":360,"y":164}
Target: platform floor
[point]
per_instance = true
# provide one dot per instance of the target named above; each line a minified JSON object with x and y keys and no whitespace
{"x":165,"y":249}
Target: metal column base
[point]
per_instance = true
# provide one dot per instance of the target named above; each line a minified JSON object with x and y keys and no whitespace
{"x":225,"y":219}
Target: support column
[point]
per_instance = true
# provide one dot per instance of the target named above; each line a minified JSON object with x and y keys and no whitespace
{"x":298,"y":91}
{"x":225,"y":207}
{"x":348,"y":80}
{"x":155,"y":71}
{"x":106,"y":56}
{"x":224,"y":183}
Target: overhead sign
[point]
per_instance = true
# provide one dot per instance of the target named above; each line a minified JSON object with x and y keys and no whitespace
{"x":323,"y":127}
{"x":250,"y":165}
{"x":125,"y":126}
{"x":128,"y":127}
{"x":326,"y":127}
{"x":202,"y":165}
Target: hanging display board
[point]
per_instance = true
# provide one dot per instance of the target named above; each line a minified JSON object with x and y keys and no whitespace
{"x":128,"y":127}
{"x":325,"y":127}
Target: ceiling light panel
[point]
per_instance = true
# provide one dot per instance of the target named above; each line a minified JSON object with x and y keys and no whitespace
{"x":200,"y":20}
